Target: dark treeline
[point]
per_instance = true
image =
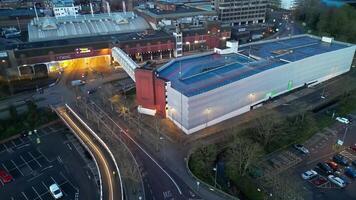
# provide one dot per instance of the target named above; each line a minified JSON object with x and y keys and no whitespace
{"x":339,"y":23}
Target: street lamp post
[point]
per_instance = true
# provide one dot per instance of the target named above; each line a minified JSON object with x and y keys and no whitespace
{"x":208,"y":111}
{"x":163,"y":147}
{"x":343,"y":138}
{"x":216,"y":173}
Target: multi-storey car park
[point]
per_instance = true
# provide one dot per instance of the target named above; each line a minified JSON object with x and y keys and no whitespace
{"x":202,"y":90}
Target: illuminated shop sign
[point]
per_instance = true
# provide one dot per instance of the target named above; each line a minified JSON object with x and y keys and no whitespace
{"x":83,"y":50}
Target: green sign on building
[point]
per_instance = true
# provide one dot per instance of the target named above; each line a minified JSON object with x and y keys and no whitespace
{"x":290,"y":84}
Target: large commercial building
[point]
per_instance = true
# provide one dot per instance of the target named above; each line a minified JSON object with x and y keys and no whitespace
{"x":202,"y":90}
{"x":241,"y":12}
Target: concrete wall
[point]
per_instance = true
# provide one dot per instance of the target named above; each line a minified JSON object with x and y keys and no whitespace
{"x":197,"y":112}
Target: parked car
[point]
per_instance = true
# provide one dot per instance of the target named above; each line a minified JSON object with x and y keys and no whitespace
{"x":301,"y":148}
{"x":91,"y":91}
{"x":325,"y":168}
{"x":337,"y":180}
{"x":319,"y":181}
{"x":344,"y":178}
{"x":333,"y":165}
{"x":338,"y":158}
{"x":353,"y":147}
{"x":55,"y":191}
{"x":309,"y":174}
{"x":354,"y":163}
{"x":350,"y":171}
{"x":342,"y":120}
{"x":5,"y":177}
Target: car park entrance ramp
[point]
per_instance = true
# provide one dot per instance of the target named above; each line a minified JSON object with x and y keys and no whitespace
{"x":125,"y":61}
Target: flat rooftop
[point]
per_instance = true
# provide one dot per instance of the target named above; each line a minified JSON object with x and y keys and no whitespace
{"x":181,"y":11}
{"x":121,"y":37}
{"x":197,"y":74}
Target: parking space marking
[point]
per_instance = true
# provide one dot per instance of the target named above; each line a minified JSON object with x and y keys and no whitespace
{"x":43,"y":155}
{"x":33,"y":158}
{"x":24,"y":195}
{"x":2,"y":184}
{"x":7,"y":149}
{"x":16,"y":167}
{"x":348,"y":155}
{"x":26,"y":163}
{"x":65,"y":178}
{"x":4,"y":167}
{"x":37,"y":193}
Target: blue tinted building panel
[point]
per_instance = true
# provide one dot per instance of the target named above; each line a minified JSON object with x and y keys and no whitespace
{"x":199,"y":74}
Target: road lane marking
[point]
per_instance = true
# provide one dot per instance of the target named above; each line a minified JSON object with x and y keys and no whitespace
{"x":142,"y":149}
{"x":101,"y":157}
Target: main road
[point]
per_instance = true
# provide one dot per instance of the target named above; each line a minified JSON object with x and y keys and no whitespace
{"x":110,"y":178}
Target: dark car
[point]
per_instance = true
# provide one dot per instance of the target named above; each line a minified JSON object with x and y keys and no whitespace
{"x":91,"y":91}
{"x":325,"y":168}
{"x":354,"y":163}
{"x":353,"y":147}
{"x":342,"y":160}
{"x":350,"y":171}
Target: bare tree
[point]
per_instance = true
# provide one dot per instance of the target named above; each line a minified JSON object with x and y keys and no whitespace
{"x":241,"y":154}
{"x":266,"y":129}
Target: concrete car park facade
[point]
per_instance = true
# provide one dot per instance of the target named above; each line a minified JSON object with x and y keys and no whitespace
{"x":203,"y":90}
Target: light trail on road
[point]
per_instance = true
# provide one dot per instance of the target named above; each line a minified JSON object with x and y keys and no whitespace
{"x":142,"y":149}
{"x":97,"y":151}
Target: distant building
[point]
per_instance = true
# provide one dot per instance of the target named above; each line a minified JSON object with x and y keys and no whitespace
{"x":288,"y":4}
{"x":196,"y":22}
{"x":51,"y":28}
{"x":62,"y":8}
{"x":239,"y":12}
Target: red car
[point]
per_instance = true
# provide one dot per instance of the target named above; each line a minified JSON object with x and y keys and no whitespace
{"x":353,"y":148}
{"x":5,"y":177}
{"x":319,"y":181}
{"x":333,"y":165}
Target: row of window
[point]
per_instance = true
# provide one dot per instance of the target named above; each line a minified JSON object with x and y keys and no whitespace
{"x":246,"y":8}
{"x":241,"y":1}
{"x":242,"y":13}
{"x":240,"y":17}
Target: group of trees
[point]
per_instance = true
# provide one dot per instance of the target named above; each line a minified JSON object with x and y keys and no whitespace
{"x":27,"y":120}
{"x":329,"y":21}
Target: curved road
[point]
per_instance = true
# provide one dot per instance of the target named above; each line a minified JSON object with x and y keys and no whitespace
{"x":110,"y":178}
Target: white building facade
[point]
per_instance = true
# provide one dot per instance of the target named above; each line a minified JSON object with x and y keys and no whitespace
{"x":193,"y":113}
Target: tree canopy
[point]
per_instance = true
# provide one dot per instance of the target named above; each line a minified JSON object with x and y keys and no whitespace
{"x":339,"y":23}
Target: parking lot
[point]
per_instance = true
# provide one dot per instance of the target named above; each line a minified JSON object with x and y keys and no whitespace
{"x":323,"y":150}
{"x":51,"y":155}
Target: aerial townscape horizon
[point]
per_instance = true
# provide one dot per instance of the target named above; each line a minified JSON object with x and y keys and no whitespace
{"x":177,"y":100}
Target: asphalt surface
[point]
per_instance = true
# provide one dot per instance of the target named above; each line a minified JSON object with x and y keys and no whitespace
{"x":324,"y":151}
{"x":160,"y":181}
{"x":111,"y":181}
{"x":35,"y":166}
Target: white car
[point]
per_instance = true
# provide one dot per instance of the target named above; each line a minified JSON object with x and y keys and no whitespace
{"x":309,"y":174}
{"x":55,"y":191}
{"x":338,"y":181}
{"x":301,"y":148}
{"x":342,"y":120}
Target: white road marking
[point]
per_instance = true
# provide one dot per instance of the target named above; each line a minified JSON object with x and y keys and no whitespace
{"x":17,"y":167}
{"x":24,"y":195}
{"x":37,"y":193}
{"x":142,"y":149}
